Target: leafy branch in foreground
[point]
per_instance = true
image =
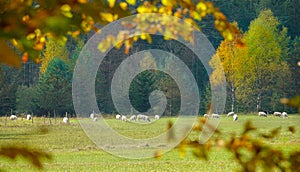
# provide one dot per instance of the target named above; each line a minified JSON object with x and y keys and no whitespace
{"x":28,"y":24}
{"x":251,"y":152}
{"x":34,"y":156}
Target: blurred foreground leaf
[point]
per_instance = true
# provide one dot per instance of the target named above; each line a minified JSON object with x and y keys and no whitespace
{"x":293,"y":102}
{"x":34,"y":156}
{"x":8,"y":56}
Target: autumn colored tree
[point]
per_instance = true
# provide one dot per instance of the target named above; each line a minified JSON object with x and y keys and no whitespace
{"x":53,"y":49}
{"x":264,"y":61}
{"x":227,"y":54}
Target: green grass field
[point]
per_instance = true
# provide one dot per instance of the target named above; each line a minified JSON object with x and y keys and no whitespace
{"x":72,"y":150}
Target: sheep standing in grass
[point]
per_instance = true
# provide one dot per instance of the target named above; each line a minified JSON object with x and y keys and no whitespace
{"x":156,"y":117}
{"x":118,"y":117}
{"x":277,"y":114}
{"x":262,"y":114}
{"x":230,"y":114}
{"x":13,"y":117}
{"x":132,"y":118}
{"x":92,"y":115}
{"x":146,"y":118}
{"x":284,"y":115}
{"x":123,"y":118}
{"x":66,"y":120}
{"x":235,"y":117}
{"x":139,"y":116}
{"x":143,"y":117}
{"x":214,"y":115}
{"x":28,"y":117}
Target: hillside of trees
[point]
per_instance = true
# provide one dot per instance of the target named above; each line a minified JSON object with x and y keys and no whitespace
{"x":258,"y":76}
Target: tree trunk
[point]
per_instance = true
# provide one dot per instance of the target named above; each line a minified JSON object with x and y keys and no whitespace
{"x":232,"y":97}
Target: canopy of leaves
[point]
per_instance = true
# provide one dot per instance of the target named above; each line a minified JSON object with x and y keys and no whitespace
{"x":27,"y":24}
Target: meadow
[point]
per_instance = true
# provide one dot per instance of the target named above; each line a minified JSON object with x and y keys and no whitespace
{"x":72,"y":150}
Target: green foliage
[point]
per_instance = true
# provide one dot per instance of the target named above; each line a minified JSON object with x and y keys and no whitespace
{"x":9,"y":81}
{"x":54,"y":88}
{"x":26,"y":99}
{"x":266,"y":69}
{"x":140,"y":89}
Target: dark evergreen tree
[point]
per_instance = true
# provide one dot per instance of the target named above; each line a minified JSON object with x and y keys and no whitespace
{"x":140,"y":90}
{"x":54,"y":90}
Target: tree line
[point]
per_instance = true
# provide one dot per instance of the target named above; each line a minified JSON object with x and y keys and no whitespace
{"x":257,"y":76}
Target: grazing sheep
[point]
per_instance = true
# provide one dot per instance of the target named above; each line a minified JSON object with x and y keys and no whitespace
{"x":132,"y":118}
{"x":206,"y":116}
{"x":66,"y":120}
{"x":277,"y":114}
{"x":214,"y":115}
{"x":262,"y":114}
{"x":156,"y":117}
{"x":123,"y":118}
{"x":95,"y":119}
{"x":28,"y":117}
{"x":139,"y":116}
{"x":13,"y":117}
{"x":230,"y":114}
{"x":146,"y":118}
{"x":284,"y":115}
{"x":118,"y":117}
{"x":235,"y":117}
{"x":143,"y":117}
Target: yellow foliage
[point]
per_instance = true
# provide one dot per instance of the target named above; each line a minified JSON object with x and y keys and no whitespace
{"x":107,"y":17}
{"x":131,"y":2}
{"x":111,"y":3}
{"x":123,"y":5}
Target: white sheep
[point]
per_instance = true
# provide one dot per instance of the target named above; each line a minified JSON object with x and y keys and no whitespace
{"x":92,"y":115}
{"x":146,"y":118}
{"x":118,"y":117}
{"x":132,"y":118}
{"x":235,"y":117}
{"x":262,"y":114}
{"x":28,"y":117}
{"x":66,"y":120}
{"x":214,"y":115}
{"x":230,"y":114}
{"x":95,"y":119}
{"x":156,"y":117}
{"x":13,"y":117}
{"x":206,"y":116}
{"x":143,"y":117}
{"x":284,"y":115}
{"x":123,"y":118}
{"x":277,"y":114}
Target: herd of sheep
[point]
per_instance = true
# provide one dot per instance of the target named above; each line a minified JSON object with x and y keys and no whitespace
{"x":135,"y":118}
{"x":275,"y":114}
{"x":145,"y":118}
{"x":235,"y":116}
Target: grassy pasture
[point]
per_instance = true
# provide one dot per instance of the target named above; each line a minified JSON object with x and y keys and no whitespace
{"x":72,"y":150}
